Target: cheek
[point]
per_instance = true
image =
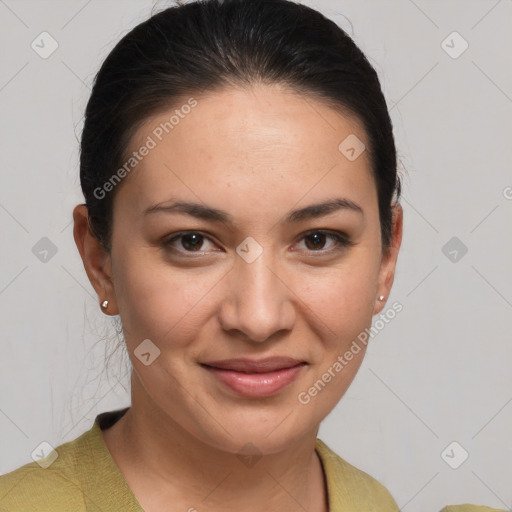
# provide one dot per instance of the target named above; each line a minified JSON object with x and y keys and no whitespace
{"x":342,"y":298}
{"x":157,"y":302}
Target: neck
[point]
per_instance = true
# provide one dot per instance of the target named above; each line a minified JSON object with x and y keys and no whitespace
{"x":163,"y":463}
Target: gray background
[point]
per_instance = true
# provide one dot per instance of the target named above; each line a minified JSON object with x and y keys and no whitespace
{"x":438,"y":373}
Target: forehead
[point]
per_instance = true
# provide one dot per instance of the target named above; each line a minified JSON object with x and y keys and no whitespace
{"x":257,"y":142}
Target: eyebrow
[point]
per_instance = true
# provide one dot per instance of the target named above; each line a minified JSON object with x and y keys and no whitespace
{"x":204,"y":212}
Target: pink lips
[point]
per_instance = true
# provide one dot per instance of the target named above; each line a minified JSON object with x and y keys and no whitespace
{"x":256,"y":378}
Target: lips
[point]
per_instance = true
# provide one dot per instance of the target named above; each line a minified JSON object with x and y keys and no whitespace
{"x":245,"y":365}
{"x":255,"y":379}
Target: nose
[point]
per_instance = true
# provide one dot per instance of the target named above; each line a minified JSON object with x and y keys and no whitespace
{"x":258,"y":302}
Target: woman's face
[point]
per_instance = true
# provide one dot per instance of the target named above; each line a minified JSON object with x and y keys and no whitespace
{"x":261,"y":282}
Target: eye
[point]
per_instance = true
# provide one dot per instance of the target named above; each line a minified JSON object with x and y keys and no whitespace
{"x":191,"y":241}
{"x":315,"y":241}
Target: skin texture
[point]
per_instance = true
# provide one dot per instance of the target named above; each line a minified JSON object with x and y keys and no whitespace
{"x":256,"y":153}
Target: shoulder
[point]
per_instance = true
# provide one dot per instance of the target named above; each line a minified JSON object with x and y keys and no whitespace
{"x":470,"y":508}
{"x":54,"y":482}
{"x":35,"y":489}
{"x":351,"y":488}
{"x":77,"y":476}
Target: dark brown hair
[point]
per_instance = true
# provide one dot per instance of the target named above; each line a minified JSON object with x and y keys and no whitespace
{"x":209,"y":44}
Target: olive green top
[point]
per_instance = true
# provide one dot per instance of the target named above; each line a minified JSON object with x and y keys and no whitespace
{"x":84,"y":477}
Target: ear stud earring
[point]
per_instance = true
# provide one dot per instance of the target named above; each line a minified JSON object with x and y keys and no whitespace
{"x":104,"y":304}
{"x":381,"y":298}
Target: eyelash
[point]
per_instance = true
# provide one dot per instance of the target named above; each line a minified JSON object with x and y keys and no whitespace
{"x":342,"y":241}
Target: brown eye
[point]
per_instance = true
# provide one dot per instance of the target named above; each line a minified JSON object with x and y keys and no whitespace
{"x":192,"y":242}
{"x":187,"y":242}
{"x":315,"y":241}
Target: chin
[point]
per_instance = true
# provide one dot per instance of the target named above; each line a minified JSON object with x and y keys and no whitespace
{"x":264,"y":432}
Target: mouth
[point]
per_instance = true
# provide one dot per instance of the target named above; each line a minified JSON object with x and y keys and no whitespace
{"x":255,"y":378}
{"x":244,"y":365}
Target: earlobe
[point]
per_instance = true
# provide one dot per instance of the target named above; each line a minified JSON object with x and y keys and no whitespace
{"x":95,"y":259}
{"x":379,"y":304}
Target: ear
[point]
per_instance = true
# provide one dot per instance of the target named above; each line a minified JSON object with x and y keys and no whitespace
{"x":97,"y":261}
{"x":389,"y":259}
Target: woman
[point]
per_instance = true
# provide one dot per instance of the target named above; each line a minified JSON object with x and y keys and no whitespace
{"x":242,"y":218}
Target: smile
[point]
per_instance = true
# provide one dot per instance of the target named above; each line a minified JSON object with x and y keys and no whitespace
{"x":255,"y":379}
